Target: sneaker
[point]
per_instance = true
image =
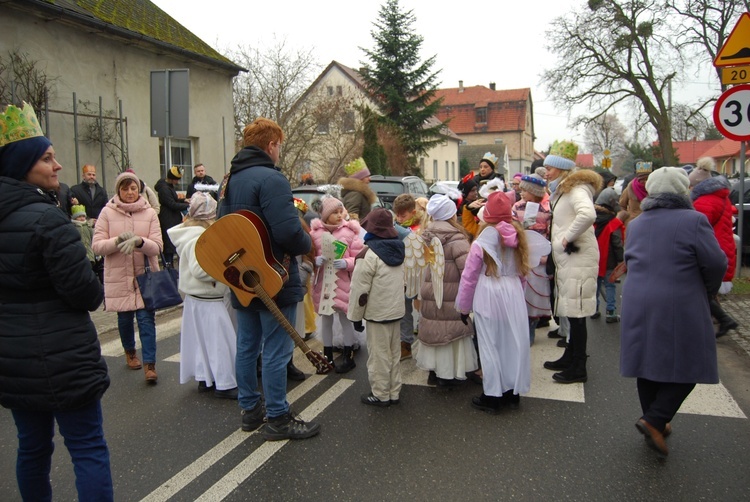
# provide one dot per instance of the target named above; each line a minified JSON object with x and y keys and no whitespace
{"x":288,"y":426}
{"x":398,"y":401}
{"x":202,"y":387}
{"x":405,"y":351}
{"x":374,"y":401}
{"x":253,"y":418}
{"x":612,"y":317}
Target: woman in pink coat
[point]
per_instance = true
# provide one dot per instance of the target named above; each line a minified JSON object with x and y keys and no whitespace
{"x":333,"y":277}
{"x":126,"y":233}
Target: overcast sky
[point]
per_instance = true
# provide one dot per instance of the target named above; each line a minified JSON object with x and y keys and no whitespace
{"x":477,"y":41}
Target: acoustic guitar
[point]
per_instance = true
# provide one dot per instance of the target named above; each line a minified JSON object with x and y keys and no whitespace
{"x":236,"y":251}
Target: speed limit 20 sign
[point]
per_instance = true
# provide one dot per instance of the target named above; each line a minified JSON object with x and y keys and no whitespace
{"x":732,"y":113}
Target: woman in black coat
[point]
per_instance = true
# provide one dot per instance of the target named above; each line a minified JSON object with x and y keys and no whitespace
{"x":171,"y":210}
{"x":667,"y":340}
{"x":51,"y":367}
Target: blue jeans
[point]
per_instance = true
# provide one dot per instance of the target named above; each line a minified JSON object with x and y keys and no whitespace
{"x":607,"y":290}
{"x":84,"y":438}
{"x":256,"y":330}
{"x":146,"y":330}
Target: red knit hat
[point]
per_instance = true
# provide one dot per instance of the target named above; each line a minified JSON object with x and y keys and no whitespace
{"x":498,"y":208}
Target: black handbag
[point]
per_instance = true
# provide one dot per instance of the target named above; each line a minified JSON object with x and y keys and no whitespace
{"x":159,"y":289}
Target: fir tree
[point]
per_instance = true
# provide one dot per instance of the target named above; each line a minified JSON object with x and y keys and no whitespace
{"x":373,"y":152}
{"x":404,"y":87}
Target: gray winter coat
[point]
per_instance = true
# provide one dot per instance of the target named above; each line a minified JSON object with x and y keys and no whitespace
{"x":674,"y":264}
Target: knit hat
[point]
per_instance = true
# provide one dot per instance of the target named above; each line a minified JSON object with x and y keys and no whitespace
{"x":174,"y":173}
{"x":534,"y":184}
{"x":330,"y":204}
{"x":77,"y":210}
{"x":668,"y":180}
{"x":17,"y":158}
{"x":202,"y":207}
{"x":518,"y":175}
{"x":379,"y":222}
{"x":498,"y":208}
{"x":357,"y":169}
{"x":702,"y":170}
{"x":606,"y":175}
{"x":467,"y":186}
{"x":609,"y":198}
{"x":441,"y":208}
{"x":541,"y":171}
{"x":490,"y":158}
{"x":562,"y":155}
{"x":123,"y":177}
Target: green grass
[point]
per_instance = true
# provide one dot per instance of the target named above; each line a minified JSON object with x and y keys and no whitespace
{"x":741,"y":286}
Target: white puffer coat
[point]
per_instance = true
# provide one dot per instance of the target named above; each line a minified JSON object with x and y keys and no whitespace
{"x":573,"y":218}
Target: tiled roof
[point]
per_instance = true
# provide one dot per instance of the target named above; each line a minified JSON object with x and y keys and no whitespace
{"x":690,"y":151}
{"x":724,"y":148}
{"x":506,"y":109}
{"x":585,"y":160}
{"x":135,"y":18}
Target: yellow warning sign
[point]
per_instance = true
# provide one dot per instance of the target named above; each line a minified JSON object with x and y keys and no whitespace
{"x":736,"y":49}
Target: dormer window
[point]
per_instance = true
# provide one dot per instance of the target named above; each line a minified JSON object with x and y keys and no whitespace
{"x":481,"y":114}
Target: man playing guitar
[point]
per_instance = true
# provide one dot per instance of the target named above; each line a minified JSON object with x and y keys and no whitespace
{"x":255,"y":184}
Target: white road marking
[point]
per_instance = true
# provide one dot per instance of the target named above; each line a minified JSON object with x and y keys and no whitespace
{"x":205,"y":461}
{"x":713,"y":400}
{"x":164,"y":330}
{"x":234,"y":478}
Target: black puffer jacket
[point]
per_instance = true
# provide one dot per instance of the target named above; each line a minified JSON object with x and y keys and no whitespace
{"x":50,"y":358}
{"x":256,"y":185}
{"x":170,"y":213}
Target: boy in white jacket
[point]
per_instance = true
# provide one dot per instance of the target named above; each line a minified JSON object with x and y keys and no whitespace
{"x":376,"y":295}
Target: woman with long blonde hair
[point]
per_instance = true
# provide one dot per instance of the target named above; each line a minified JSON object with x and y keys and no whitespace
{"x":492,"y":287}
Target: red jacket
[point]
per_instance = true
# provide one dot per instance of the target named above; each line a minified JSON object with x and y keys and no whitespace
{"x":711,"y":197}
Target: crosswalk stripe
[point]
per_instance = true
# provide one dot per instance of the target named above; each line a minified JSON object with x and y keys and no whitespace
{"x":234,"y":478}
{"x":205,"y":461}
{"x":164,"y":330}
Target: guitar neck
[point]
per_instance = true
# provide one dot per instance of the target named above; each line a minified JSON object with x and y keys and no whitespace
{"x":279,"y":316}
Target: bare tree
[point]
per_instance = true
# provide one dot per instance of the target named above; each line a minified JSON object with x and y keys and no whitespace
{"x":606,"y":133}
{"x":706,"y":25}
{"x":687,"y":123}
{"x":105,"y":130}
{"x":613,"y":52}
{"x":24,"y":79}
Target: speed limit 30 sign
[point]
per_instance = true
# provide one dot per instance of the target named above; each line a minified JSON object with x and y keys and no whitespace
{"x":732,"y":113}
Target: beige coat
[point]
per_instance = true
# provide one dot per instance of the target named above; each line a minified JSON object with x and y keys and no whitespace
{"x":357,"y":197}
{"x":573,"y":218}
{"x":120,"y":288}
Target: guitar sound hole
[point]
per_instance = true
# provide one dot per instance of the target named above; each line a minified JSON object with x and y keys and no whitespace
{"x":251,"y":278}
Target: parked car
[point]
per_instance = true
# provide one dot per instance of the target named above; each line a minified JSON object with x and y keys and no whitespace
{"x":313,"y":193}
{"x":437,"y":186}
{"x":389,"y":187}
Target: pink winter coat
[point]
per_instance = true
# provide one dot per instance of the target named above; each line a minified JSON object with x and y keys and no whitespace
{"x":120,"y":287}
{"x":347,"y":233}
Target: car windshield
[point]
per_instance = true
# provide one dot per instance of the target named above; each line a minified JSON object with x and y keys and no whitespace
{"x":384,"y":186}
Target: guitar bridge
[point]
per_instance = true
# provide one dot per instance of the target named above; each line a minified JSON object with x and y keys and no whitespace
{"x":234,"y":257}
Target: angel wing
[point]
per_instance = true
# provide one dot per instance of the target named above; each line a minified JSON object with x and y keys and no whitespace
{"x":437,"y":268}
{"x":415,"y":262}
{"x":538,"y":247}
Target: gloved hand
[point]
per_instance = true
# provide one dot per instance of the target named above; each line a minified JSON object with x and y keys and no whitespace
{"x":358,"y":326}
{"x":339,"y":264}
{"x":128,"y":246}
{"x":320,"y":260}
{"x":124,"y":236}
{"x":465,"y":319}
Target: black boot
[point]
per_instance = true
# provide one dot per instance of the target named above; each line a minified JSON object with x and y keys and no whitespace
{"x":726,"y":322}
{"x":576,"y":372}
{"x":565,"y":361}
{"x":511,"y":400}
{"x":490,"y":404}
{"x":347,"y":360}
{"x":328,"y":353}
{"x":293,"y":373}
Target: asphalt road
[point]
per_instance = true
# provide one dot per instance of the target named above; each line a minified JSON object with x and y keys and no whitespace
{"x":574,"y":442}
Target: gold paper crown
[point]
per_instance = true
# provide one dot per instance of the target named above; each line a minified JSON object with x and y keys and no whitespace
{"x":491,"y":158}
{"x":17,"y":124}
{"x":643,"y":167}
{"x":355,"y":166}
{"x":300,"y":204}
{"x":565,"y":149}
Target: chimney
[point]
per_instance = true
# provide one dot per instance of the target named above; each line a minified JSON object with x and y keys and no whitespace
{"x":460,"y":86}
{"x":492,"y":86}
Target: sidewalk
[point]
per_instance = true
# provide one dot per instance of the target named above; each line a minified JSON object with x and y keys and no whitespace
{"x":738,"y":306}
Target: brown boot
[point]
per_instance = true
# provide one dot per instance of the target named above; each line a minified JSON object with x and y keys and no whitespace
{"x":132,"y":359}
{"x":150,"y":370}
{"x":405,"y":351}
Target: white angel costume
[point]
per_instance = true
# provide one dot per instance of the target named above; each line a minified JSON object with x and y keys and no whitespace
{"x":499,"y":312}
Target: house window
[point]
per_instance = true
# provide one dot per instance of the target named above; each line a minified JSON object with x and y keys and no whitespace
{"x":481,"y":115}
{"x":447,"y":173}
{"x":330,"y":90}
{"x":181,"y":155}
{"x":453,"y":171}
{"x":434,"y":169}
{"x":323,"y":127}
{"x":339,"y":91}
{"x":348,"y":122}
{"x":421,"y":165}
